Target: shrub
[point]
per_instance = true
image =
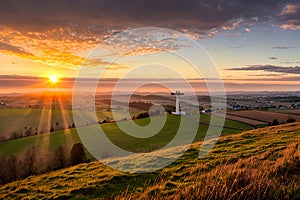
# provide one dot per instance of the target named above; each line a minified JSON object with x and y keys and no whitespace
{"x":290,"y":120}
{"x":141,"y":115}
{"x":51,"y":129}
{"x":77,"y":154}
{"x":275,"y":122}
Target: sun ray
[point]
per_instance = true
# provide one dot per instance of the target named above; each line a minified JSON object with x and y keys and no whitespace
{"x":44,"y":128}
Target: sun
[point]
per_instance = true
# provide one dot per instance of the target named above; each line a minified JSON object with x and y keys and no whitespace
{"x":53,"y":79}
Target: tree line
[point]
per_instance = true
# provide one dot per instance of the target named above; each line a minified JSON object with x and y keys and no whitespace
{"x":14,"y":168}
{"x":29,"y":131}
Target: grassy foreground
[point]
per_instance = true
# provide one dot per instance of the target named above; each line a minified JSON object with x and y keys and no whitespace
{"x":256,"y":164}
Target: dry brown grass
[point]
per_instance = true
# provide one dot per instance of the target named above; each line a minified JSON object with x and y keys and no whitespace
{"x":274,"y":174}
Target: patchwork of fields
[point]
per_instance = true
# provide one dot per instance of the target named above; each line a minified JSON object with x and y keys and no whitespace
{"x":48,"y":142}
{"x":61,"y":120}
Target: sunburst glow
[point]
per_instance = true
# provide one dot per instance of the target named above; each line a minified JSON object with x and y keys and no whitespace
{"x":53,"y":79}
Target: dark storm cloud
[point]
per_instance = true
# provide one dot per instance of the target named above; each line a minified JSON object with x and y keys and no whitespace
{"x":191,"y":14}
{"x":269,"y":68}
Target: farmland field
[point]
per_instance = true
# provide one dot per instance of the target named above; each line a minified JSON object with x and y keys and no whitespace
{"x":48,"y":142}
{"x":263,"y":116}
{"x":287,"y":111}
{"x":40,"y":121}
{"x":240,"y":119}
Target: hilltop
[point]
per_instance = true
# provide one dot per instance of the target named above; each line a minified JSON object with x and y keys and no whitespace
{"x":262,"y":163}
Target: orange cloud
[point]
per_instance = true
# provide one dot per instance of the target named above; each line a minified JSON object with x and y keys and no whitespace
{"x":57,"y":48}
{"x":290,"y":9}
{"x":292,"y":24}
{"x":145,"y":50}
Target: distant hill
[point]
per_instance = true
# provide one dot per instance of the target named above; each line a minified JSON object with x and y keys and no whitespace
{"x":256,"y":164}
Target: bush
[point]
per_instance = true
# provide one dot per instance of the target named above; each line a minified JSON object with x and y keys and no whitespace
{"x":141,"y":115}
{"x":290,"y":120}
{"x":275,"y":122}
{"x":77,"y":154}
{"x":51,"y":129}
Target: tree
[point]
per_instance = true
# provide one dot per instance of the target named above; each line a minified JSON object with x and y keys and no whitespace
{"x":29,"y":162}
{"x":15,"y":135}
{"x":3,"y":174}
{"x":28,"y":132}
{"x":12,"y":168}
{"x":59,"y":160}
{"x":77,"y":154}
{"x":275,"y":122}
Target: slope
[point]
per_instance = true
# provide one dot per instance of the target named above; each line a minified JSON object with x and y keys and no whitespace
{"x":262,"y":163}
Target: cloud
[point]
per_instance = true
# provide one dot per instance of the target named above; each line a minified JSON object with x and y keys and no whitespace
{"x":232,"y":34}
{"x":96,"y":19}
{"x":289,"y":62}
{"x":292,"y":24}
{"x":248,"y":30}
{"x":268,"y":78}
{"x":269,"y":68}
{"x":56,"y":48}
{"x":119,"y":14}
{"x":290,"y":16}
{"x":273,"y":58}
{"x":290,"y":9}
{"x":13,"y":49}
{"x":282,"y":47}
{"x":56,"y":32}
{"x":267,"y":75}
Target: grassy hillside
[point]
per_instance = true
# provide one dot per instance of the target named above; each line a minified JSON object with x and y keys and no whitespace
{"x":262,"y":163}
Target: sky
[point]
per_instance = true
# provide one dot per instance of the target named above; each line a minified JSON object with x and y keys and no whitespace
{"x":254,"y":44}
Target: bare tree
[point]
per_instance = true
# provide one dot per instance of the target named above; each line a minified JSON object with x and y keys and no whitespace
{"x":12,"y":168}
{"x":59,"y":160}
{"x":3,"y":173}
{"x":29,"y":162}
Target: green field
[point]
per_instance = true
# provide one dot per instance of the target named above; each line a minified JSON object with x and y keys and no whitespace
{"x":48,"y":142}
{"x":41,"y":120}
{"x":261,"y":163}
